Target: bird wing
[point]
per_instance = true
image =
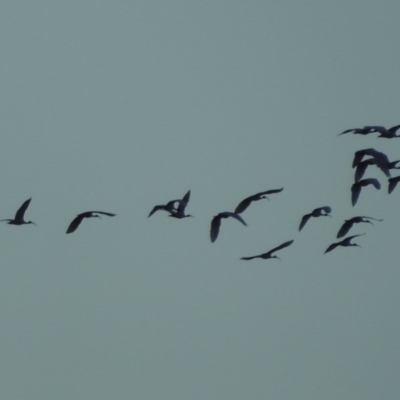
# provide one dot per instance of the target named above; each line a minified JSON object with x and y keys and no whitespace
{"x":393,"y":183}
{"x":103,"y":213}
{"x":243,"y":204}
{"x":375,"y":219}
{"x":156,"y":208}
{"x":270,"y":191}
{"x":249,"y":258}
{"x":186,"y":197}
{"x":331,"y":247}
{"x":215,"y":225}
{"x":184,"y":202}
{"x":348,"y":239}
{"x":374,"y":182}
{"x":75,"y":223}
{"x":355,"y":193}
{"x":393,"y":130}
{"x":345,"y":228}
{"x":304,"y":221}
{"x":19,"y":215}
{"x":281,"y":246}
{"x":346,"y":131}
{"x":239,"y":218}
{"x":360,"y":170}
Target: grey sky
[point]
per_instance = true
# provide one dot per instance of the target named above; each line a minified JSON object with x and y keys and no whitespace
{"x":121,"y":105}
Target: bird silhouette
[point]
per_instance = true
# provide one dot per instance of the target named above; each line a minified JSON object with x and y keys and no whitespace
{"x":269,"y":254}
{"x":393,"y":183}
{"x":358,"y":131}
{"x":345,"y":243}
{"x":379,"y":159}
{"x":19,"y":215}
{"x":318,"y":212}
{"x":384,"y":132}
{"x":216,"y":223}
{"x":255,"y":197}
{"x":356,"y":188}
{"x":175,"y":212}
{"x":87,"y":214}
{"x":344,"y":229}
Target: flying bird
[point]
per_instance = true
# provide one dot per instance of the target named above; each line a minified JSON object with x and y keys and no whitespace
{"x":88,"y":214}
{"x":379,"y":159}
{"x":269,"y":254}
{"x":216,"y":223}
{"x":393,"y":183}
{"x":384,"y":132}
{"x":248,"y":200}
{"x":19,"y":215}
{"x":358,"y":131}
{"x":356,"y":188}
{"x":355,"y":220}
{"x":176,"y":212}
{"x":318,"y":212}
{"x":345,"y":243}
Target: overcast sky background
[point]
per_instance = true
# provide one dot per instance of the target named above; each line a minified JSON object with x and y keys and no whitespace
{"x":121,"y":105}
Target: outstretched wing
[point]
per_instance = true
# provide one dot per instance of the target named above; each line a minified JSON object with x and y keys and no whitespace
{"x":75,"y":223}
{"x":374,"y":182}
{"x":304,"y":221}
{"x":355,"y":193}
{"x":244,"y":204}
{"x":344,"y":228}
{"x":103,"y":213}
{"x":184,"y":202}
{"x":393,"y":183}
{"x":249,"y":258}
{"x":331,"y":247}
{"x":215,"y":225}
{"x":239,"y":218}
{"x":282,"y":246}
{"x":19,"y":215}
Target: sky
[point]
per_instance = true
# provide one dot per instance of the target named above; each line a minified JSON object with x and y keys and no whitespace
{"x":119,"y":106}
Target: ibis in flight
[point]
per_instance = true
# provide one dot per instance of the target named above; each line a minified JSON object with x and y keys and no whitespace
{"x":170,"y":207}
{"x":19,"y":215}
{"x":344,"y":229}
{"x":216,"y":223}
{"x":73,"y":226}
{"x":318,"y":212}
{"x":345,"y":243}
{"x":269,"y":254}
{"x":255,"y":197}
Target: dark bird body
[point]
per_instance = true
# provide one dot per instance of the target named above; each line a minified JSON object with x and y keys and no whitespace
{"x":355,"y":220}
{"x":345,"y":243}
{"x":19,"y":215}
{"x":88,"y":214}
{"x":175,"y":212}
{"x":269,"y":254}
{"x":356,"y":188}
{"x":318,"y":212}
{"x":216,"y":223}
{"x":384,"y":132}
{"x":248,"y":200}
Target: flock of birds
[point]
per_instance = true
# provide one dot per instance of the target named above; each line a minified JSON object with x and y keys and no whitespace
{"x":176,"y":208}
